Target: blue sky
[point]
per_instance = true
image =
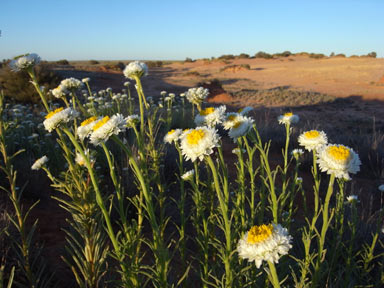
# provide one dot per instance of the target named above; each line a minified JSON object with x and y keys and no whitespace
{"x":118,"y":29}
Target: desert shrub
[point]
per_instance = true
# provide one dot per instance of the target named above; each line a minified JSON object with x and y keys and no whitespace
{"x":62,"y":62}
{"x":192,"y":73}
{"x":340,"y":55}
{"x":354,"y":56}
{"x":16,"y":85}
{"x":316,"y":55}
{"x":227,"y":57}
{"x":93,"y":62}
{"x":235,"y":68}
{"x":264,"y":55}
{"x":285,"y":54}
{"x":302,"y":54}
{"x":372,"y":55}
{"x":119,"y":66}
{"x":243,"y":56}
{"x":188,"y":60}
{"x":332,"y":54}
{"x":154,"y":64}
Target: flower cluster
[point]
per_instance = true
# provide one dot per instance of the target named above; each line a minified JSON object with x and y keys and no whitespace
{"x":24,"y":62}
{"x":197,"y":95}
{"x":106,"y":127}
{"x":135,"y":69}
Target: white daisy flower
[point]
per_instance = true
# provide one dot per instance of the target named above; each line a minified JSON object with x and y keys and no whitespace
{"x":197,"y":95}
{"x":313,"y":139}
{"x":135,"y":69}
{"x":188,"y":175}
{"x":39,"y":163}
{"x":127,"y":83}
{"x":107,"y":127}
{"x":210,"y":116}
{"x":24,"y":62}
{"x":241,"y":127}
{"x":86,"y":126}
{"x":163,"y":93}
{"x":297,"y":153}
{"x":230,"y":120}
{"x":172,"y":136}
{"x":182,"y":95}
{"x":132,"y":120}
{"x":86,"y":80}
{"x":288,"y":118}
{"x":199,"y":142}
{"x":352,"y":198}
{"x":59,"y":91}
{"x":338,"y":160}
{"x":55,"y":118}
{"x":264,"y":243}
{"x":71,"y":84}
{"x":80,"y":159}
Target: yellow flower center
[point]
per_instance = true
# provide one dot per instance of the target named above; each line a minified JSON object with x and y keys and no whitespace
{"x":289,"y":114}
{"x":195,"y":136}
{"x":101,"y":123}
{"x":171,"y":131}
{"x":240,"y":110}
{"x":258,"y":234}
{"x":207,"y":111}
{"x":312,"y":134}
{"x":237,"y":124}
{"x":89,"y":120}
{"x":50,"y":114}
{"x":340,"y":153}
{"x":231,"y":117}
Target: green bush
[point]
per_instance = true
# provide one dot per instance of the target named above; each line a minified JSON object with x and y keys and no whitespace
{"x":243,"y":56}
{"x":227,"y":57}
{"x":62,"y":62}
{"x":93,"y":62}
{"x":316,"y":55}
{"x":188,"y":60}
{"x":16,"y":85}
{"x":154,"y":64}
{"x":264,"y":55}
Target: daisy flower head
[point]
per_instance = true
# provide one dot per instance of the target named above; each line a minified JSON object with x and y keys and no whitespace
{"x":352,"y":199}
{"x":241,"y":127}
{"x":24,"y":62}
{"x":288,"y":118}
{"x":80,"y":159}
{"x":132,"y":120}
{"x":126,"y":84}
{"x":135,"y":69}
{"x":59,"y":92}
{"x":55,"y":118}
{"x":313,"y":140}
{"x":86,"y":126}
{"x":199,"y":142}
{"x":86,"y":80}
{"x":71,"y":84}
{"x":172,"y":136}
{"x":230,"y":120}
{"x":106,"y":127}
{"x":210,"y":116}
{"x":188,"y":175}
{"x":39,"y":163}
{"x":197,"y":95}
{"x":264,"y":243}
{"x":296,"y":153}
{"x":339,"y":160}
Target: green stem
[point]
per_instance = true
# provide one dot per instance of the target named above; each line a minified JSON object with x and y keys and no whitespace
{"x":274,"y":278}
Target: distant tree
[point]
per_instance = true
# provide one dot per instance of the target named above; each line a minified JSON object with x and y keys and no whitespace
{"x":243,"y":56}
{"x":372,"y":54}
{"x":188,"y":59}
{"x":332,"y":54}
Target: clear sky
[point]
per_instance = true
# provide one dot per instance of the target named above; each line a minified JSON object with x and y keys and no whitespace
{"x":165,"y":29}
